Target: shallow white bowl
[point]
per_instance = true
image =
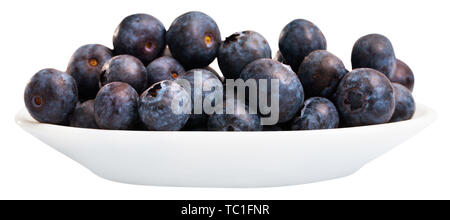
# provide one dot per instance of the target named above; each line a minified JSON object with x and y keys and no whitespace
{"x":225,"y":159}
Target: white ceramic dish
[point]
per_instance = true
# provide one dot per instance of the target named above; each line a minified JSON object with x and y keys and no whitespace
{"x":225,"y":159}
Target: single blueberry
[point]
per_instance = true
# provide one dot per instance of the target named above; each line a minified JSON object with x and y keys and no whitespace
{"x":194,"y":39}
{"x":403,"y":75}
{"x":374,"y":51}
{"x":83,"y":116}
{"x":240,"y":49}
{"x":140,"y":35}
{"x":163,"y":68}
{"x":51,"y":96}
{"x":116,"y":106}
{"x":317,"y":113}
{"x":404,"y":103}
{"x":298,"y":39}
{"x":85,"y":67}
{"x":291,"y":95}
{"x":127,"y":69}
{"x":161,"y":107}
{"x":365,"y":97}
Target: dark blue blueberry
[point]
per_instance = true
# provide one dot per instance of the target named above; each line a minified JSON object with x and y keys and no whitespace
{"x":279,"y":57}
{"x":298,"y":39}
{"x":374,"y":51}
{"x":127,"y":69}
{"x":320,"y":73}
{"x":163,"y":68}
{"x":116,"y":106}
{"x":83,"y":116}
{"x":85,"y":67}
{"x":208,"y":80}
{"x":194,"y":39}
{"x":51,"y":96}
{"x":403,"y":75}
{"x":140,"y":35}
{"x":240,"y":49}
{"x":365,"y":97}
{"x":317,"y":113}
{"x":404,"y":103}
{"x":161,"y":107}
{"x":239,"y":120}
{"x":291,"y":94}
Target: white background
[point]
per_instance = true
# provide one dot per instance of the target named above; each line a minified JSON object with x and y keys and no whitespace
{"x":40,"y":34}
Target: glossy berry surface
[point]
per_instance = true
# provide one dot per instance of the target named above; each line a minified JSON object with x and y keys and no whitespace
{"x":291,"y":95}
{"x":85,"y":67}
{"x":240,"y":49}
{"x":404,"y":103}
{"x":207,"y":80}
{"x":239,"y":120}
{"x":403,"y":75}
{"x":140,"y":35}
{"x":164,"y":68}
{"x":365,"y":97}
{"x":161,"y":107}
{"x":83,"y":116}
{"x":317,"y":113}
{"x":320,"y":73}
{"x":116,"y":106}
{"x":194,"y":39}
{"x":374,"y":51}
{"x":127,"y":69}
{"x":279,"y":57}
{"x":51,"y":96}
{"x":298,"y":39}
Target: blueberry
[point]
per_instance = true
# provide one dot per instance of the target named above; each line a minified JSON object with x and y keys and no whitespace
{"x":51,"y":96}
{"x":83,"y":116}
{"x":317,"y":113}
{"x":194,"y":39}
{"x":298,"y":39}
{"x":374,"y":51}
{"x":240,"y":49}
{"x":403,"y":75}
{"x":156,"y":106}
{"x":116,"y":106}
{"x":127,"y":69}
{"x":404,"y":103}
{"x":140,"y":35}
{"x":239,"y":120}
{"x":164,"y":68}
{"x":85,"y":67}
{"x":291,"y":94}
{"x":272,"y":128}
{"x":279,"y":57}
{"x":320,"y":73}
{"x":212,"y":70}
{"x":208,"y":80}
{"x":365,"y":97}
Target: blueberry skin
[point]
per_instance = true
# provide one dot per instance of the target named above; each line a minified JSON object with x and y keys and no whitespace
{"x":209,"y":80}
{"x":403,"y":75}
{"x":51,"y":96}
{"x":298,"y":39}
{"x":317,"y":113}
{"x":365,"y":97}
{"x":279,"y":57}
{"x":163,"y":68}
{"x":374,"y":51}
{"x":155,"y":106}
{"x":194,"y":39}
{"x":240,"y":49}
{"x":404,"y":103}
{"x":140,"y":35}
{"x":85,"y":67}
{"x":291,"y":95}
{"x":320,"y":73}
{"x":116,"y":106}
{"x":83,"y":116}
{"x":127,"y":69}
{"x":236,"y":121}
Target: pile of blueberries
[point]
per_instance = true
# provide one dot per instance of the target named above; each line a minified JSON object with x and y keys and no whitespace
{"x":133,"y":85}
